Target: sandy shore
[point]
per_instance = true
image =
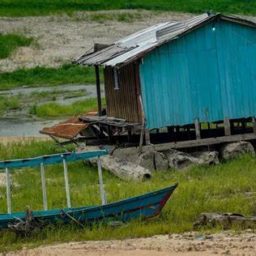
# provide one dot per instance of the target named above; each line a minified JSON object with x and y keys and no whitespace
{"x":188,"y":244}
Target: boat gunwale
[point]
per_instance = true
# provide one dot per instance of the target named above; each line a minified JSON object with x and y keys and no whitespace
{"x":55,"y":212}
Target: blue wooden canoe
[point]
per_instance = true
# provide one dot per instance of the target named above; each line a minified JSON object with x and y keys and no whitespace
{"x":144,"y":206}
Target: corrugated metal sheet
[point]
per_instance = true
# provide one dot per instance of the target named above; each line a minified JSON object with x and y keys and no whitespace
{"x":68,"y":129}
{"x":209,"y":74}
{"x":138,"y":44}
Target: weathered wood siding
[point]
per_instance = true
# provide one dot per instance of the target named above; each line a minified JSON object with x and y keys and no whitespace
{"x":123,"y":102}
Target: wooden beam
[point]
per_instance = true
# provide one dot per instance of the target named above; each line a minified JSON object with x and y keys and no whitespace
{"x":227,"y":129}
{"x":200,"y":142}
{"x":97,"y":74}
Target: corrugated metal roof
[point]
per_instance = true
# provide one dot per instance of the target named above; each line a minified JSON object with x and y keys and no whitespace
{"x":138,"y":44}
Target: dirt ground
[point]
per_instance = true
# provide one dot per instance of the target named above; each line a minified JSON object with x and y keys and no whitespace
{"x":188,"y":244}
{"x":60,"y":39}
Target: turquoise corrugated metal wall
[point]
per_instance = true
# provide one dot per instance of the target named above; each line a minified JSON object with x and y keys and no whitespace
{"x":208,"y":74}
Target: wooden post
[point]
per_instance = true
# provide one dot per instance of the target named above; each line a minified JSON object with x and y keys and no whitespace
{"x":142,"y":131}
{"x":66,"y":183}
{"x":102,"y":192}
{"x":227,"y":128}
{"x":254,"y":124}
{"x":8,"y":191}
{"x":147,"y":137}
{"x":42,"y":171}
{"x":97,"y":73}
{"x":197,"y":129}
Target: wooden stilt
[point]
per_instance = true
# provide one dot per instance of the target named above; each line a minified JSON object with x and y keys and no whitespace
{"x":197,"y":129}
{"x":227,"y":128}
{"x":254,"y":124}
{"x":97,"y":74}
{"x":8,"y":191}
{"x":42,"y":171}
{"x":102,"y":191}
{"x":147,"y":137}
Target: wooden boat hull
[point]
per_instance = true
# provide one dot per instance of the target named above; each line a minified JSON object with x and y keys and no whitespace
{"x":144,"y":206}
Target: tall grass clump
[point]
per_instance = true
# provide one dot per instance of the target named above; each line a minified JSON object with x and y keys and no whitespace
{"x":52,"y":109}
{"x":10,"y":42}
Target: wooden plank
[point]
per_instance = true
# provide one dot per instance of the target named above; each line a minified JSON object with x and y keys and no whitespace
{"x":227,"y":128}
{"x":197,"y":129}
{"x":201,"y":142}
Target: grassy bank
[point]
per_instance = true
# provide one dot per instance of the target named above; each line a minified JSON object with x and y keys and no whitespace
{"x":44,"y":104}
{"x":222,"y":188}
{"x":52,"y":110}
{"x":10,"y":42}
{"x":44,"y":7}
{"x":43,"y":76}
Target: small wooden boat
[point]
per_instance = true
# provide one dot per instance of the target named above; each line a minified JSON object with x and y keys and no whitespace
{"x":144,"y":206}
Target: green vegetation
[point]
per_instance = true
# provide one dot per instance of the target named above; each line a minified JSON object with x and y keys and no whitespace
{"x":10,"y":42}
{"x":9,"y":103}
{"x":44,"y":7}
{"x":43,"y":76}
{"x":50,"y":110}
{"x":221,"y":188}
{"x":30,"y":104}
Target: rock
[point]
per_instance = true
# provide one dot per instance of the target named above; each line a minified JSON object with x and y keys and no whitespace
{"x":207,"y":157}
{"x":232,"y":150}
{"x":226,"y":220}
{"x":180,"y":160}
{"x":153,"y":160}
{"x":146,"y":160}
{"x":161,"y":161}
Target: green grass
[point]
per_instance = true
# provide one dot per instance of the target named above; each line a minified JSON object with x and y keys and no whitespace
{"x":10,"y":42}
{"x":45,"y":7}
{"x":221,"y":188}
{"x":51,"y":110}
{"x":43,"y":76}
{"x":9,"y":103}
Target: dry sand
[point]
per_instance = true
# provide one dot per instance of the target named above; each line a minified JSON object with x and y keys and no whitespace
{"x":60,"y":39}
{"x":188,"y":244}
